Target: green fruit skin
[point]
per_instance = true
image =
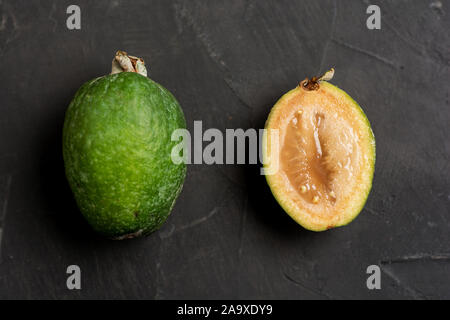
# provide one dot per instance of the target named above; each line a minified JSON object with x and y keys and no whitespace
{"x":117,"y":154}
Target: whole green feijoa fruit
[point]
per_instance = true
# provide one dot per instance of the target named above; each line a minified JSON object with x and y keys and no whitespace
{"x":117,"y":151}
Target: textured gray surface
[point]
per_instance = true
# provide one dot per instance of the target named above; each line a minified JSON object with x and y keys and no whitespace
{"x":227,"y":63}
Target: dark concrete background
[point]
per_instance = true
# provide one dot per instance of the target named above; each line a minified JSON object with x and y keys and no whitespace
{"x":228,"y":63}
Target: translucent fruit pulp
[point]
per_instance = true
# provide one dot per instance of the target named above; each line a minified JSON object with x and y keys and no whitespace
{"x":306,"y":161}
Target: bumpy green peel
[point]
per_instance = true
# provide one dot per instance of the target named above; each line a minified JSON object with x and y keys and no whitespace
{"x":116,"y":148}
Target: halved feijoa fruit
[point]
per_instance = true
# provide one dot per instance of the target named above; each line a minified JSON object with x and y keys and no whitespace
{"x":325,"y":153}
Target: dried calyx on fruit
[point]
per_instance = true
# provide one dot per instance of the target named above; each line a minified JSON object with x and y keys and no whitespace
{"x":122,"y":62}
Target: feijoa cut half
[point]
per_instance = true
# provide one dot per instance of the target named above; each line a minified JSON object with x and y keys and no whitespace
{"x":325,"y":154}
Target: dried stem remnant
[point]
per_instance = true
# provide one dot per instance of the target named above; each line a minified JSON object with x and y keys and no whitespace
{"x":314,"y":83}
{"x":122,"y":62}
